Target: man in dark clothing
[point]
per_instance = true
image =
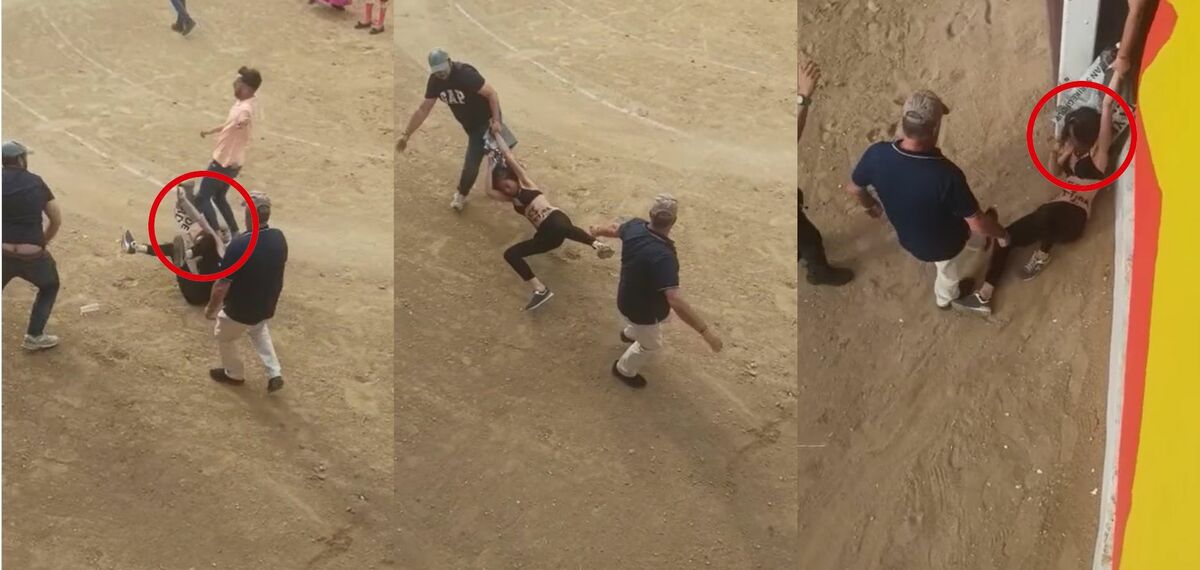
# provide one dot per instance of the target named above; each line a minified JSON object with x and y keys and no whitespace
{"x":649,"y":288}
{"x":244,"y":301}
{"x":811,"y":247}
{"x":26,"y":198}
{"x":927,"y":199}
{"x":476,"y":106}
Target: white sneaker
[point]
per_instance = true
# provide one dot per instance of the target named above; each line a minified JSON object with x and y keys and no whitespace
{"x":603,"y":250}
{"x":459,"y":202}
{"x":41,"y":342}
{"x":127,"y":243}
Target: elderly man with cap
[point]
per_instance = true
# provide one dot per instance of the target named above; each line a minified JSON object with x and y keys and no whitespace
{"x":649,"y":288}
{"x":475,"y":105}
{"x":233,"y":138}
{"x":26,"y":198}
{"x":245,"y":301}
{"x":927,"y":199}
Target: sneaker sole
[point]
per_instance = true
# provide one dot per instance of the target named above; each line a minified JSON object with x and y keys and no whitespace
{"x":543,"y":302}
{"x":974,"y":310}
{"x":35,"y":348}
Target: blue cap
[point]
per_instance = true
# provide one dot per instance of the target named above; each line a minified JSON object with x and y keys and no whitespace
{"x":13,"y":149}
{"x":439,"y":61}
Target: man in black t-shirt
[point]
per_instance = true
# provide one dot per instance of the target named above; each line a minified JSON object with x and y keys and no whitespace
{"x":649,"y":288}
{"x":244,"y":301}
{"x":476,"y":106}
{"x":26,"y":198}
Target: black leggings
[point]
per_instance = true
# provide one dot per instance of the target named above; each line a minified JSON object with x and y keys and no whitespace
{"x":555,"y":229}
{"x":1051,"y":223}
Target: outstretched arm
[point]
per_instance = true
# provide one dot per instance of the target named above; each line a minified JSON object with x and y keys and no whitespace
{"x":610,"y":230}
{"x":414,"y":122}
{"x":806,"y":83}
{"x":1103,"y":149}
{"x":511,"y":160}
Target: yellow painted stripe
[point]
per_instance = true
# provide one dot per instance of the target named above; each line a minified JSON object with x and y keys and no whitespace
{"x":1163,"y":531}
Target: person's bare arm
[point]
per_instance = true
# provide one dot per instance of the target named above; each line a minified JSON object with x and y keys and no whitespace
{"x":1103,"y":149}
{"x":865,"y":199}
{"x":414,"y":122}
{"x":493,"y":98}
{"x":806,"y":83}
{"x":689,"y":315}
{"x":1132,"y":37}
{"x":611,"y":230}
{"x":54,"y":215}
{"x":514,"y":165}
{"x":217,"y":299}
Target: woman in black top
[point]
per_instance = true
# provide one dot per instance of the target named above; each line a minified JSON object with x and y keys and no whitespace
{"x":1082,"y":152}
{"x":510,"y":183}
{"x":202,"y":258}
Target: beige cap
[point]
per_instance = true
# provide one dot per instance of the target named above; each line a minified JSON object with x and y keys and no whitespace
{"x":925,"y":107}
{"x":665,"y":204}
{"x":260,"y":200}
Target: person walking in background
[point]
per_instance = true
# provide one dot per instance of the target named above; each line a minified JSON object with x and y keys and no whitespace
{"x":811,"y":246}
{"x":475,"y":105}
{"x":375,"y":25}
{"x":649,"y":288}
{"x":245,"y":301}
{"x":927,"y":199}
{"x":233,"y":138}
{"x":183,"y":21}
{"x":26,"y":199}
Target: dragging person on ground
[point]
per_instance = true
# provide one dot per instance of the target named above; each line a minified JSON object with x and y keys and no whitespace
{"x":244,"y":302}
{"x":475,"y":105}
{"x":552,"y":226}
{"x":26,"y":240}
{"x":196,"y":248}
{"x":1082,"y":153}
{"x":648,"y":290}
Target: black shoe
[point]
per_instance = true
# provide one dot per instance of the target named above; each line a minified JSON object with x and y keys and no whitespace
{"x":538,"y":299}
{"x":361,"y":26}
{"x":375,"y":31}
{"x":973,"y":303}
{"x":835,"y":276}
{"x":966,"y":287}
{"x":626,"y":339}
{"x":188,"y":26}
{"x":219,"y":375}
{"x":274,"y":384}
{"x":635,"y":381}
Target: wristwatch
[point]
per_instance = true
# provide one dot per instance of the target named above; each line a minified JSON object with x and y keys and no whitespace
{"x":803,"y":100}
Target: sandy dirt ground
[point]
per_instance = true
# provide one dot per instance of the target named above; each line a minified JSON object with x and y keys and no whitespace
{"x":119,"y":452}
{"x":515,"y":447}
{"x":934,"y":440}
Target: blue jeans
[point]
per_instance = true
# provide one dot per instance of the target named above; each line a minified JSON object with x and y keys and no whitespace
{"x":42,"y":272}
{"x":213,"y":191}
{"x":181,"y":13}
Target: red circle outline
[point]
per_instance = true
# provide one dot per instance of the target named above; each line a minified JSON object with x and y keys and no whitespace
{"x":154,"y":239}
{"x":1095,"y":185}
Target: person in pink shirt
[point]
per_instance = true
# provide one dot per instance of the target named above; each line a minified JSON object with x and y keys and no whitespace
{"x":233,"y":137}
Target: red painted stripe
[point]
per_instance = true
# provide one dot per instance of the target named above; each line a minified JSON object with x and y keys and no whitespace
{"x":1147,"y":200}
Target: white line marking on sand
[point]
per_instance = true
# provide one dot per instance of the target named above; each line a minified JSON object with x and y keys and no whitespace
{"x":681,"y":51}
{"x":566,"y":81}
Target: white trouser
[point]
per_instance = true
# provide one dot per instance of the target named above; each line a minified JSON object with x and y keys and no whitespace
{"x":967,"y":263}
{"x":647,"y":341}
{"x":228,"y":331}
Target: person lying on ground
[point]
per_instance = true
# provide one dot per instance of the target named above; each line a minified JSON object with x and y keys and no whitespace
{"x":1083,"y":152}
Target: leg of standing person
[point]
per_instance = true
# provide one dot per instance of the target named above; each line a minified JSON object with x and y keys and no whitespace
{"x":228,"y":331}
{"x":379,"y":27}
{"x":368,"y":16}
{"x":470,"y":168}
{"x":222,"y":202}
{"x":204,"y":196}
{"x":811,"y":248}
{"x":183,"y":21}
{"x":260,"y":337}
{"x":646,"y":341}
{"x":43,"y":274}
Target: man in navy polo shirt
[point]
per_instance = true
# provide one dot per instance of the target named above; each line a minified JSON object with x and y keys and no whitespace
{"x":244,"y":301}
{"x":927,"y":199}
{"x":649,"y":288}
